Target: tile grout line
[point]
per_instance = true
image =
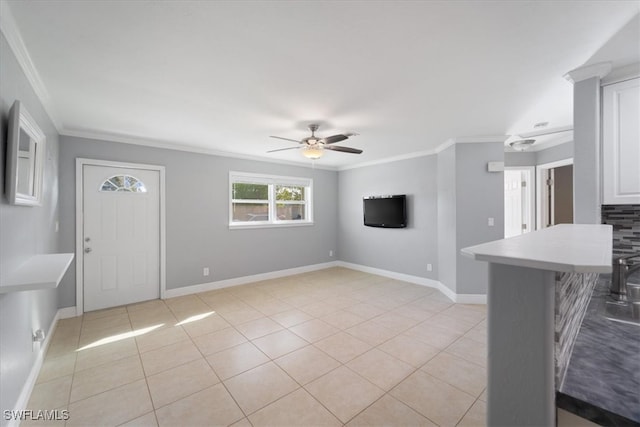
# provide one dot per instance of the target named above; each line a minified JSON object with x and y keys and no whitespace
{"x":144,"y":373}
{"x":217,"y":376}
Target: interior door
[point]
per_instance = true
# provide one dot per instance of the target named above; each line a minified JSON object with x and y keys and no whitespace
{"x":512,"y":203}
{"x":518,"y":199}
{"x":121,"y":236}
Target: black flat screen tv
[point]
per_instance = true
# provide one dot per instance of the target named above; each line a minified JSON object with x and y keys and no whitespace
{"x":385,"y":211}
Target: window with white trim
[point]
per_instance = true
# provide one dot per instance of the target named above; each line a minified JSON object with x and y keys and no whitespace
{"x":257,"y":200}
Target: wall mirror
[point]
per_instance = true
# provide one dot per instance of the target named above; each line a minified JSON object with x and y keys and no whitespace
{"x":25,"y":158}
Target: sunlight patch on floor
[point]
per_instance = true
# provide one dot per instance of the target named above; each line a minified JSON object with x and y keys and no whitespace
{"x":195,"y":318}
{"x":119,"y":337}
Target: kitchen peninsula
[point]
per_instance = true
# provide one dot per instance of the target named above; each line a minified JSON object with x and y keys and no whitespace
{"x":525,"y":275}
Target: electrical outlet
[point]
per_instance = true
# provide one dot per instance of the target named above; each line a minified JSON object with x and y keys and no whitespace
{"x":491,"y":222}
{"x":330,"y":253}
{"x":205,"y":271}
{"x":429,"y":267}
{"x":37,"y":339}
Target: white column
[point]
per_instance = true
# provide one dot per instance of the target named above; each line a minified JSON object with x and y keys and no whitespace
{"x":586,"y":136}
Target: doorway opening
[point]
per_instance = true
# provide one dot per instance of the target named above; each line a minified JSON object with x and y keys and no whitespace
{"x":554,"y":193}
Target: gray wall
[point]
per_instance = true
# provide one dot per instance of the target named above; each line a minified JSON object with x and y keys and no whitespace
{"x":520,"y":158}
{"x":450,"y":197}
{"x":468,"y":195}
{"x":407,"y":250}
{"x":447,"y":252}
{"x":25,"y":231}
{"x":553,"y":154}
{"x":197,"y":214}
{"x":479,"y":196}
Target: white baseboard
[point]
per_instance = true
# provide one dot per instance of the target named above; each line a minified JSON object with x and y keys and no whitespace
{"x":391,"y":274}
{"x":448,"y":292}
{"x":27,"y":388}
{"x":471,"y":299}
{"x":457,"y":298}
{"x":67,"y":312}
{"x":203,"y":287}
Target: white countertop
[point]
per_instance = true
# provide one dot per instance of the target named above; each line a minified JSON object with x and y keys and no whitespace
{"x":578,"y":248}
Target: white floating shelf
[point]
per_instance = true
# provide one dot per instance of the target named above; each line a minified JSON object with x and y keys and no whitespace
{"x":38,"y":272}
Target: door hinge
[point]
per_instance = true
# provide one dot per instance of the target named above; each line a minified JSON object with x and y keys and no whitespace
{"x":549,"y":182}
{"x":524,"y":183}
{"x":524,"y":226}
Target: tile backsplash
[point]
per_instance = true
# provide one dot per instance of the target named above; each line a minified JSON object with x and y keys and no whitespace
{"x":626,"y":227}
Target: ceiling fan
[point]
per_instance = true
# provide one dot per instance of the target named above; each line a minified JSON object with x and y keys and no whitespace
{"x":313,"y":147}
{"x":525,"y":140}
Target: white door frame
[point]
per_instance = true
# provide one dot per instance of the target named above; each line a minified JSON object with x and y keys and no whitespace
{"x":80,"y":162}
{"x":531,"y":190}
{"x":541,"y":191}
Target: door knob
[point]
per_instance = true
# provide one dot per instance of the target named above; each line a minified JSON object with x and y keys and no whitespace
{"x":87,"y":250}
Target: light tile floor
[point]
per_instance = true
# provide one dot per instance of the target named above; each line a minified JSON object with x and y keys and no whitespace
{"x":331,"y":347}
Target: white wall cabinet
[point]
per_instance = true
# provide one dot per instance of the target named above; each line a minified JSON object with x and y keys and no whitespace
{"x":621,"y":143}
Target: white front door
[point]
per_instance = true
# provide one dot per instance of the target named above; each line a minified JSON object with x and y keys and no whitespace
{"x":121,"y":236}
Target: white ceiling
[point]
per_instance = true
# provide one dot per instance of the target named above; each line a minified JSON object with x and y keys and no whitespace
{"x":224,"y":75}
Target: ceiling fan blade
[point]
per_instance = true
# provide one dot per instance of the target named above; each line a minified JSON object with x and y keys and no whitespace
{"x":343,"y":149}
{"x":286,"y":139}
{"x":284,"y":149}
{"x":333,"y":139}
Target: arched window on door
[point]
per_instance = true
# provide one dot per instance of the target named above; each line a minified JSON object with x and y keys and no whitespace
{"x":126,"y":183}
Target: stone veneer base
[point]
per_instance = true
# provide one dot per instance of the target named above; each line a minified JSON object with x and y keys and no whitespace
{"x":573,"y":292}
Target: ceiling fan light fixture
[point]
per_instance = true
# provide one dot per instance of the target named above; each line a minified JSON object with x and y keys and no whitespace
{"x":522,"y":144}
{"x":313,"y":147}
{"x":312,"y":153}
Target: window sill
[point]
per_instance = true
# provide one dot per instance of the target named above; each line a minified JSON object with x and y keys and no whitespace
{"x":242,"y":226}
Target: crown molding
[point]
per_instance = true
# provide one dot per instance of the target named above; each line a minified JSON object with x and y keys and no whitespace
{"x":470,"y":140}
{"x":448,"y":143}
{"x":480,"y":139}
{"x":9,"y":28}
{"x":124,"y":139}
{"x":392,"y":159}
{"x":585,"y":72}
{"x":621,"y":74}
